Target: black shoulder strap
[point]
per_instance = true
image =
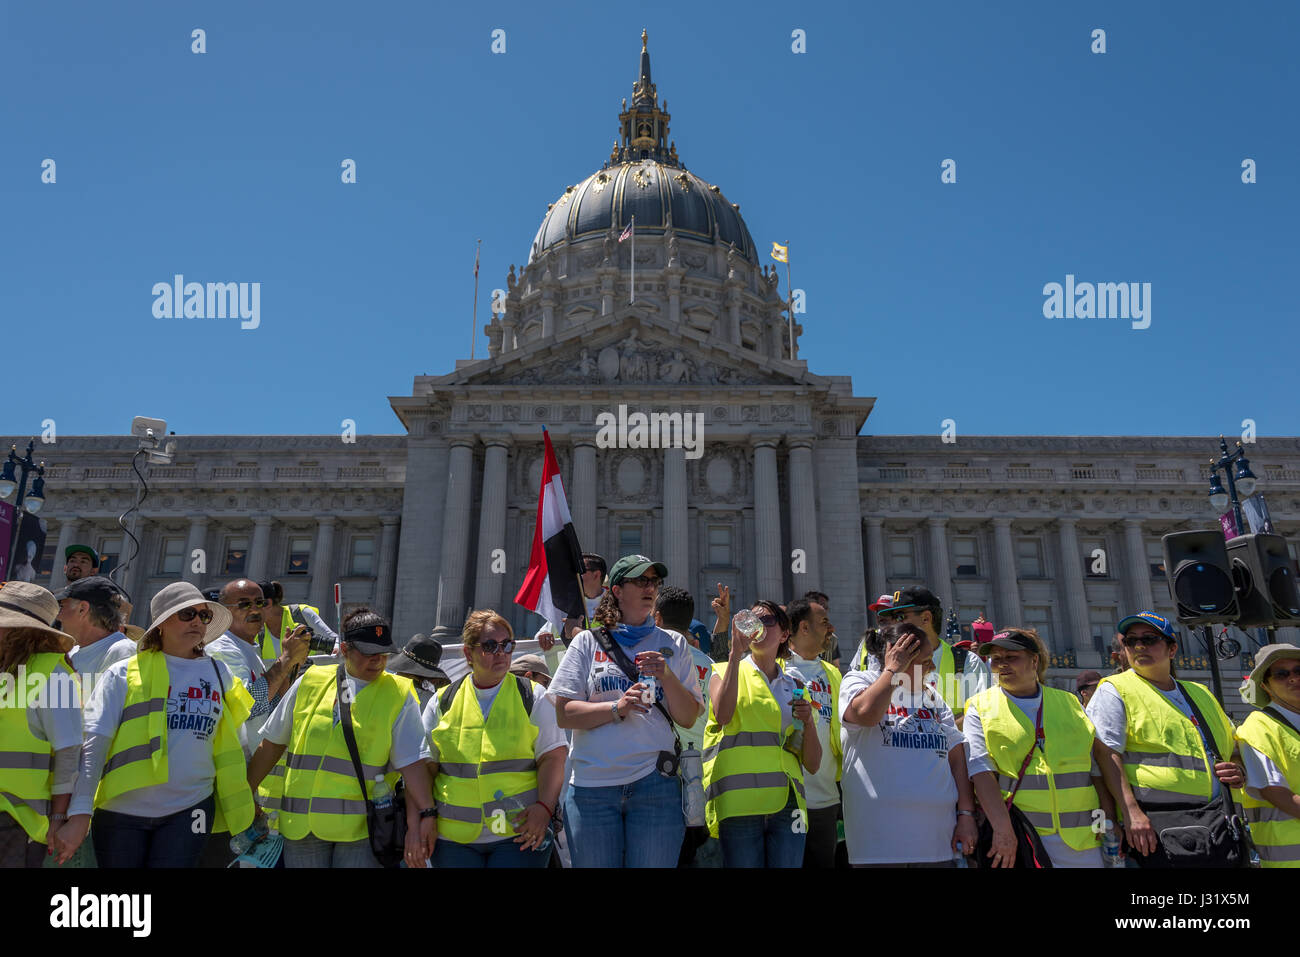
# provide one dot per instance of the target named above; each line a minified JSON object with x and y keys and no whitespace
{"x":449,"y":695}
{"x":345,"y":719}
{"x":526,"y":692}
{"x":959,"y":659}
{"x":221,"y":684}
{"x":1270,"y":713}
{"x":1208,"y":734}
{"x":620,"y":658}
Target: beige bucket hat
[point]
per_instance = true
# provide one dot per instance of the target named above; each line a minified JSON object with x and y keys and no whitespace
{"x":179,"y":595}
{"x":26,"y":605}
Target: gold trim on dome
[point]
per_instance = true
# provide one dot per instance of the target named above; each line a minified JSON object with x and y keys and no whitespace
{"x":715,"y":189}
{"x":641,"y":176}
{"x":565,"y":198}
{"x":685,"y":182}
{"x":600,"y":182}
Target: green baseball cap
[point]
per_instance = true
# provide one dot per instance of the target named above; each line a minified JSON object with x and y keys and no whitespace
{"x":634,"y":566}
{"x":72,"y":549}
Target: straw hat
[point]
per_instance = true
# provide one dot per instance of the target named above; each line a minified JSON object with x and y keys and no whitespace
{"x":25,"y":605}
{"x":179,"y":595}
{"x":1252,"y":688}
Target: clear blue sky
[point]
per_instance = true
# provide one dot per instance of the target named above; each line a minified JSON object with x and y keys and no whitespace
{"x":225,"y":166}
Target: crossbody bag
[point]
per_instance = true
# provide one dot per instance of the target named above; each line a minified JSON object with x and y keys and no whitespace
{"x":1030,"y":853}
{"x":385,"y":826}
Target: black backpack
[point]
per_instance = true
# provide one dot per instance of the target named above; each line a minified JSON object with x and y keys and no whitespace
{"x":449,"y":694}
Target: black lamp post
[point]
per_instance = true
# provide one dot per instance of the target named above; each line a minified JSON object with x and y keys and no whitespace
{"x":29,"y":503}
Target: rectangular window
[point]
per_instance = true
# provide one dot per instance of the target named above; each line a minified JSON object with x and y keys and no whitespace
{"x":1039,"y":618}
{"x":110,"y":554}
{"x":299,"y":555}
{"x":46,"y":566}
{"x":171,"y":557}
{"x":1156,"y":559}
{"x":902,"y":558}
{"x":1096,"y":562}
{"x":720,"y":545}
{"x":965,"y":556}
{"x":236,"y":556}
{"x":1101,"y":622}
{"x":362,"y":560}
{"x":1029,"y":557}
{"x":629,"y":539}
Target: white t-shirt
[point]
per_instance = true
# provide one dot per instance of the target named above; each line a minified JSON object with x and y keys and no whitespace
{"x":410,"y":743}
{"x":193,"y":708}
{"x":549,"y":735}
{"x":820,"y":789}
{"x":900,"y":799}
{"x":1109,"y":717}
{"x":1261,"y":771}
{"x":977,"y":760}
{"x":619,"y":752}
{"x":550,"y":629}
{"x":90,"y":660}
{"x":245,"y":663}
{"x":694,"y":736}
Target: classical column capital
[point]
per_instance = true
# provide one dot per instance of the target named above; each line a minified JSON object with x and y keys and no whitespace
{"x":936,"y":521}
{"x":757,"y":442}
{"x":388,"y":521}
{"x":500,"y":439}
{"x":462,"y":441}
{"x":1133,"y":523}
{"x":258,"y":520}
{"x":325,"y":521}
{"x":800,"y":440}
{"x":873,"y":521}
{"x":1001,"y":522}
{"x":1067,"y":521}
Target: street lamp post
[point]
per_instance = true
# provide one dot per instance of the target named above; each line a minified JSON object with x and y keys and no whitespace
{"x":30,"y":503}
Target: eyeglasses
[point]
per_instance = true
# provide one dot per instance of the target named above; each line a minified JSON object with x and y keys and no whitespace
{"x":492,"y":646}
{"x":1134,"y":641}
{"x":189,"y":614}
{"x":1281,"y":674}
{"x":767,"y":620}
{"x":246,"y":603}
{"x":645,"y":582}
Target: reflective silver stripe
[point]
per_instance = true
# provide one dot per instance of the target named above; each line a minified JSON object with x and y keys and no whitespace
{"x":278,"y":771}
{"x":295,"y":805}
{"x":141,"y":708}
{"x":314,"y":762}
{"x":141,"y":752}
{"x":270,"y":803}
{"x":1034,"y":782}
{"x":320,"y":805}
{"x":455,"y":812}
{"x":743,"y":781}
{"x":1266,"y":815}
{"x":25,"y":760}
{"x":1279,"y":852}
{"x":1164,"y":759}
{"x":39,"y":806}
{"x":506,"y":767}
{"x":1075,"y":779}
{"x":1039,"y":819}
{"x":1158,"y":796}
{"x":524,"y":797}
{"x":743,"y":739}
{"x":458,"y":769}
{"x":1076,"y":818}
{"x":1038,"y":782}
{"x":302,"y":762}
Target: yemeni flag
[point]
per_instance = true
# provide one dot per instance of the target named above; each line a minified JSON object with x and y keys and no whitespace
{"x":551,"y":587}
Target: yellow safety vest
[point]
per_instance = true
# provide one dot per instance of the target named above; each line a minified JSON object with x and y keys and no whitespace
{"x":27,"y":762}
{"x":1056,"y":793}
{"x":320,"y":784}
{"x":949,"y":681}
{"x":833,"y":678}
{"x":138,"y":756}
{"x":1276,"y":833}
{"x":266,"y":642}
{"x":1165,"y":760}
{"x":477,"y":758}
{"x":270,"y":792}
{"x":747,"y":769}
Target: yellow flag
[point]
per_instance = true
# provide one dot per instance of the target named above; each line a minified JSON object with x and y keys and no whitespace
{"x":780,"y":253}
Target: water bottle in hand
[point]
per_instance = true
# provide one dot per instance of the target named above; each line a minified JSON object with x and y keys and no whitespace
{"x":648,"y":689}
{"x":241,"y":842}
{"x":381,"y":795}
{"x":1110,"y":847}
{"x":512,"y":807}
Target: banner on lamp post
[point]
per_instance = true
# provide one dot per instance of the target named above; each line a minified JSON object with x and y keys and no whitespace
{"x":6,"y":538}
{"x":1228,"y":522}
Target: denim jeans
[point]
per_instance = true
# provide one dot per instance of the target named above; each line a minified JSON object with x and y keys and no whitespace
{"x":626,"y":825}
{"x":127,"y":840}
{"x":311,"y":851}
{"x":819,"y":848}
{"x":764,"y":840}
{"x":503,"y":853}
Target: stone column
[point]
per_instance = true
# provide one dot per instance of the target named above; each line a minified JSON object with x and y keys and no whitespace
{"x":67,"y":536}
{"x":1010,"y":611}
{"x":803,"y":512}
{"x":877,"y":564}
{"x":1071,"y":587}
{"x":839,"y":534}
{"x":386,"y":578}
{"x":197,"y":539}
{"x":583,"y":505}
{"x":940,"y":572}
{"x":322,"y":564}
{"x":1135,"y":549}
{"x":259,"y":551}
{"x":492,"y":522}
{"x":767,"y":521}
{"x":455,"y":538}
{"x":419,"y":551}
{"x":676,"y":550}
{"x":138,"y":571}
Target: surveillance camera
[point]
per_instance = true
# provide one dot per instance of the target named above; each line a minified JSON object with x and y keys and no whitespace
{"x":146,"y":428}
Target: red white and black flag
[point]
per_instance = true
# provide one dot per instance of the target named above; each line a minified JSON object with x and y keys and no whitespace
{"x":551,"y":586}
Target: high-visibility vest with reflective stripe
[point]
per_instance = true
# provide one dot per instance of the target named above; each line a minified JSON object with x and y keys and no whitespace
{"x":27,"y":762}
{"x":1276,"y":833}
{"x":477,"y":758}
{"x":1056,"y":792}
{"x":321,"y":792}
{"x":138,"y":755}
{"x":833,"y":679}
{"x":266,"y":640}
{"x":1165,"y":760}
{"x":747,"y":769}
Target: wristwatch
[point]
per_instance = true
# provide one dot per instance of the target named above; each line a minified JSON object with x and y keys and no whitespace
{"x":428,"y":812}
{"x":613,"y":706}
{"x":963,"y":811}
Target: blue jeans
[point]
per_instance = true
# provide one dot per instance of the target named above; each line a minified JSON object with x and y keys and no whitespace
{"x":626,"y":825}
{"x":127,"y":840}
{"x":503,"y":853}
{"x":311,"y":851}
{"x":764,"y":840}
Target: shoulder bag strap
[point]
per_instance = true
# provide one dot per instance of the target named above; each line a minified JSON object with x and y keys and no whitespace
{"x":1286,"y":723}
{"x":448,"y":695}
{"x":620,"y":658}
{"x":1207,"y":733}
{"x":345,"y":719}
{"x":1038,"y":736}
{"x":221,"y":684}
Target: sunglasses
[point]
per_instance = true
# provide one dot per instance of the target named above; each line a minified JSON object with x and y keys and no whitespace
{"x":1143,"y":640}
{"x":189,"y":614}
{"x":767,"y":620}
{"x":492,"y":646}
{"x":644,"y":581}
{"x":1281,"y":674}
{"x":246,"y":603}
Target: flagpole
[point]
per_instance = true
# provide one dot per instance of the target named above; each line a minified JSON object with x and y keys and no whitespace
{"x":473,"y":332}
{"x":632,"y":291}
{"x":789,"y":292}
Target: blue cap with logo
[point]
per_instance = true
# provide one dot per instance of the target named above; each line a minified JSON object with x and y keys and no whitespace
{"x":1158,"y":622}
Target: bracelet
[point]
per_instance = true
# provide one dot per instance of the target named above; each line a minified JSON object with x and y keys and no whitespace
{"x":428,"y":812}
{"x":545,"y":807}
{"x":58,"y":817}
{"x":964,"y":811}
{"x":613,"y":706}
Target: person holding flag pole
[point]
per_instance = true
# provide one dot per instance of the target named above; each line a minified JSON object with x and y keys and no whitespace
{"x":782,"y":255}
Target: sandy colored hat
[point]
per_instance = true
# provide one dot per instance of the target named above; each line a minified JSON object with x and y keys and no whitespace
{"x":1252,"y":689}
{"x":179,"y":595}
{"x":26,"y":605}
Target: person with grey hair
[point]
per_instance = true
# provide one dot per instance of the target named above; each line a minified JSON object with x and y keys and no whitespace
{"x":91,"y":611}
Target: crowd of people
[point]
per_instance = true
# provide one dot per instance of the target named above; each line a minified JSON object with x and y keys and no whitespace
{"x":636,"y":737}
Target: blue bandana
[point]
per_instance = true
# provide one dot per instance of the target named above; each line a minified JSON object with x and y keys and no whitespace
{"x":629,"y":635}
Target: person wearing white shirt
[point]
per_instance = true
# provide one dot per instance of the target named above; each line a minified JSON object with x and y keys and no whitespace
{"x":1270,"y":750}
{"x":90,"y":609}
{"x":592,"y":577}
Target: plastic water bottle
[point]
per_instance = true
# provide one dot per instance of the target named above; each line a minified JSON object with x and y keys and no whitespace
{"x":959,"y":859}
{"x":511,"y":807}
{"x":648,"y":692}
{"x":381,"y":796}
{"x":241,"y":842}
{"x":1110,"y":847}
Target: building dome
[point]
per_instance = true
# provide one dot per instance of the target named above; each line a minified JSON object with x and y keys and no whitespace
{"x":643,"y":179}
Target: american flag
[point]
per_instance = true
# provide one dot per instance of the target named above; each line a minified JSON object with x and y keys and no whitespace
{"x":627,"y":233}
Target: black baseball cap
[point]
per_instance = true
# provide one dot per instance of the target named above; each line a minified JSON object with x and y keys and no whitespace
{"x":914,"y":596}
{"x":373,"y":639}
{"x":96,"y":589}
{"x":1011,"y":641}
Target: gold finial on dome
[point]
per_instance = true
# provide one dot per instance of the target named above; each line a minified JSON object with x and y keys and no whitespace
{"x":644,"y":124}
{"x":644,"y":38}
